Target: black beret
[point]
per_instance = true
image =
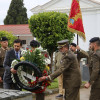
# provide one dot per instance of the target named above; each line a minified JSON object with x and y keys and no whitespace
{"x":4,"y":39}
{"x":94,"y":39}
{"x":34,"y":43}
{"x":73,"y":44}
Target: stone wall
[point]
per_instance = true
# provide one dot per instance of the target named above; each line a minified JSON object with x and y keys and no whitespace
{"x":15,"y":95}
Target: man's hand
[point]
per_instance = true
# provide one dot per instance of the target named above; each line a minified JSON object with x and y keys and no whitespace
{"x":1,"y":80}
{"x":13,"y":71}
{"x":78,"y":48}
{"x":87,"y":85}
{"x":42,"y":78}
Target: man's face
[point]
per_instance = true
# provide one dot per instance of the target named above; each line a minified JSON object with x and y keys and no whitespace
{"x":93,"y":46}
{"x":17,"y":46}
{"x":63,"y":49}
{"x":60,"y":49}
{"x":4,"y":44}
{"x":72,"y":48}
{"x":90,"y":47}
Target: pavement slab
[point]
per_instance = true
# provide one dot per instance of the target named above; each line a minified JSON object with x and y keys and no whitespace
{"x":84,"y":95}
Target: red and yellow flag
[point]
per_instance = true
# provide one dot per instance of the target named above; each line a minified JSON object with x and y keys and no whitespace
{"x":75,"y":23}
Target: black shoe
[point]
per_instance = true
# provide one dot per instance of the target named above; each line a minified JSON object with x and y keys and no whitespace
{"x":59,"y":96}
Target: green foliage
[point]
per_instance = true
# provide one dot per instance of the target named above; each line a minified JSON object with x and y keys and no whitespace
{"x":10,"y":37}
{"x":50,"y":27}
{"x":36,"y":58}
{"x":16,"y":13}
{"x":54,"y":84}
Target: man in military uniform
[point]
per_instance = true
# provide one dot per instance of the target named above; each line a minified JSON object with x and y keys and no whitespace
{"x":3,"y":49}
{"x":95,"y":72}
{"x":58,"y":56}
{"x":79,"y":52}
{"x":90,"y":60}
{"x":70,"y":70}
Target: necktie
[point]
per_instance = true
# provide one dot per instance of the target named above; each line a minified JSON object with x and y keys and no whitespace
{"x":17,"y":55}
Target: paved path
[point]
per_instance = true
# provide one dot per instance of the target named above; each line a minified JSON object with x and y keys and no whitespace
{"x":84,"y":95}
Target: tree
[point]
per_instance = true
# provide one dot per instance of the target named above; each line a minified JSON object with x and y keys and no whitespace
{"x":16,"y":13}
{"x":48,"y":28}
{"x":10,"y":37}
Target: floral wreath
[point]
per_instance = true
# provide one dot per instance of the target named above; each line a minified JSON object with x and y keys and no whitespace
{"x":41,"y":61}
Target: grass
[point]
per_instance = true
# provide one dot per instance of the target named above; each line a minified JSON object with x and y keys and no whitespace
{"x":54,"y":84}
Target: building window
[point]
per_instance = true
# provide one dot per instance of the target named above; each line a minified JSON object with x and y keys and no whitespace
{"x":23,"y":41}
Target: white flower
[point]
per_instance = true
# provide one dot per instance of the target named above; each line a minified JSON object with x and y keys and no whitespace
{"x":47,"y":61}
{"x":14,"y":62}
{"x":23,"y":52}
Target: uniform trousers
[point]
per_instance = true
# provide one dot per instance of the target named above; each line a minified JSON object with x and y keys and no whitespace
{"x":94,"y":94}
{"x":72,"y":94}
{"x":60,"y":84}
{"x":1,"y":75}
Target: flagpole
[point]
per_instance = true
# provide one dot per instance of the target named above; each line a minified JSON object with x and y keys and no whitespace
{"x":75,"y":23}
{"x":77,"y":40}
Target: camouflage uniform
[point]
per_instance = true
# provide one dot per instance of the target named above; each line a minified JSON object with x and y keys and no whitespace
{"x":71,"y":75}
{"x":2,"y":56}
{"x":81,"y":54}
{"x":95,"y":76}
{"x":90,"y":60}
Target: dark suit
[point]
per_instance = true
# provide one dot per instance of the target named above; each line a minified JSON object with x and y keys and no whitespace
{"x":71,"y":75}
{"x":9,"y":57}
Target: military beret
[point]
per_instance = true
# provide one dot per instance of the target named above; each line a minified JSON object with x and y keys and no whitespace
{"x":94,"y":39}
{"x":4,"y":39}
{"x":73,"y":44}
{"x":34,"y":43}
{"x":62,"y":43}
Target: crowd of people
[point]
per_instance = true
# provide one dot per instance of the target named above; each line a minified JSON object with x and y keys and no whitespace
{"x":67,"y":67}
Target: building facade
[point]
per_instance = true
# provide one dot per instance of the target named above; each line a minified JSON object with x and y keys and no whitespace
{"x":90,"y":14}
{"x":21,"y":31}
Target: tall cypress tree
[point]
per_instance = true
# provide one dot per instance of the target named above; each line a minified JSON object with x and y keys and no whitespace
{"x":16,"y":13}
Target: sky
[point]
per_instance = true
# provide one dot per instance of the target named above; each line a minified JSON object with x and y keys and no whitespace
{"x":29,"y":4}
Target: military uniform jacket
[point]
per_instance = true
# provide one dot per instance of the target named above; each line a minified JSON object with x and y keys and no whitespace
{"x":95,"y":73}
{"x":81,"y":54}
{"x":58,"y":56}
{"x":69,"y":68}
{"x":90,"y":60}
{"x":2,"y":55}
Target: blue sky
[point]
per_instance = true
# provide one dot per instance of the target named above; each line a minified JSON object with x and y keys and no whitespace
{"x":29,"y":4}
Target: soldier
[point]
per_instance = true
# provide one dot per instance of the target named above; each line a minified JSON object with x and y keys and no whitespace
{"x":70,"y":70}
{"x":3,"y":49}
{"x":58,"y":56}
{"x":80,"y":53}
{"x":90,"y":53}
{"x":95,"y":72}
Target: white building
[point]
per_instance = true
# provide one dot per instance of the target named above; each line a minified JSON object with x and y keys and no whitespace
{"x":90,"y":13}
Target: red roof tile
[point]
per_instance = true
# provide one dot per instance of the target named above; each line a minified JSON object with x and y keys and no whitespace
{"x":22,"y":29}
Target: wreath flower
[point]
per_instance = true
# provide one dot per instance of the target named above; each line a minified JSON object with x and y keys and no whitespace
{"x":39,"y":60}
